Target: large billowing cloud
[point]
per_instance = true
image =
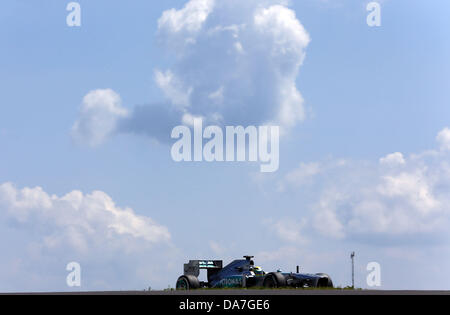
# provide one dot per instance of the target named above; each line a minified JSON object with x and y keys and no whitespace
{"x":398,"y":199}
{"x":77,"y":218}
{"x":235,"y":63}
{"x":115,"y":246}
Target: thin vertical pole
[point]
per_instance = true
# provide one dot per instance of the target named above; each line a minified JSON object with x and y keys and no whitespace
{"x":353,"y":269}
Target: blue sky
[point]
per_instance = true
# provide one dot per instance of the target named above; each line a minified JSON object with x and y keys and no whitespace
{"x":368,"y":93}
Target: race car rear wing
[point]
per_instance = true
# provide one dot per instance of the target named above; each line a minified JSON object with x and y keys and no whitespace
{"x":193,"y":267}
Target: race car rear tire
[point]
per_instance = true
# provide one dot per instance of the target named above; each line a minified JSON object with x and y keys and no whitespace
{"x":187,"y":282}
{"x":324,"y":282}
{"x":274,"y":280}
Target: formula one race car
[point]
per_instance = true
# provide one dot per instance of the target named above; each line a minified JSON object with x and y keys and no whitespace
{"x":242,"y":273}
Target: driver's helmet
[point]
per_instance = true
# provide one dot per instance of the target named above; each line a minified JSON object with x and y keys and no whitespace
{"x":258,"y":271}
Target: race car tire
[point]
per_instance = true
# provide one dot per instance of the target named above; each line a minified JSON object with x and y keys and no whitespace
{"x":274,"y":280}
{"x":322,"y":283}
{"x":187,"y":282}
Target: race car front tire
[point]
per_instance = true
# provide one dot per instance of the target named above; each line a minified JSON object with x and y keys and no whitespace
{"x":325,"y":281}
{"x":187,"y":282}
{"x":274,"y":280}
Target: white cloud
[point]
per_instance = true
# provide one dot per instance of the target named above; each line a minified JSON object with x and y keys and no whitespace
{"x":393,"y":159}
{"x":286,"y":33}
{"x":217,"y":96}
{"x":303,"y":173}
{"x":187,"y":20}
{"x":77,"y":217}
{"x":444,"y":139}
{"x":113,"y":244}
{"x":412,"y":186}
{"x":99,"y":114}
{"x":236,"y":63}
{"x":325,"y":220}
{"x":402,"y":198}
{"x":306,"y":174}
{"x":173,"y":89}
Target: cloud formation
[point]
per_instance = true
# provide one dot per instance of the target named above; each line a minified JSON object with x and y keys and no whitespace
{"x":444,"y":139}
{"x":188,"y":20}
{"x":236,"y":63}
{"x":393,"y":159}
{"x":99,"y":115}
{"x":76,"y":218}
{"x":400,"y":198}
{"x":112,"y":244}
